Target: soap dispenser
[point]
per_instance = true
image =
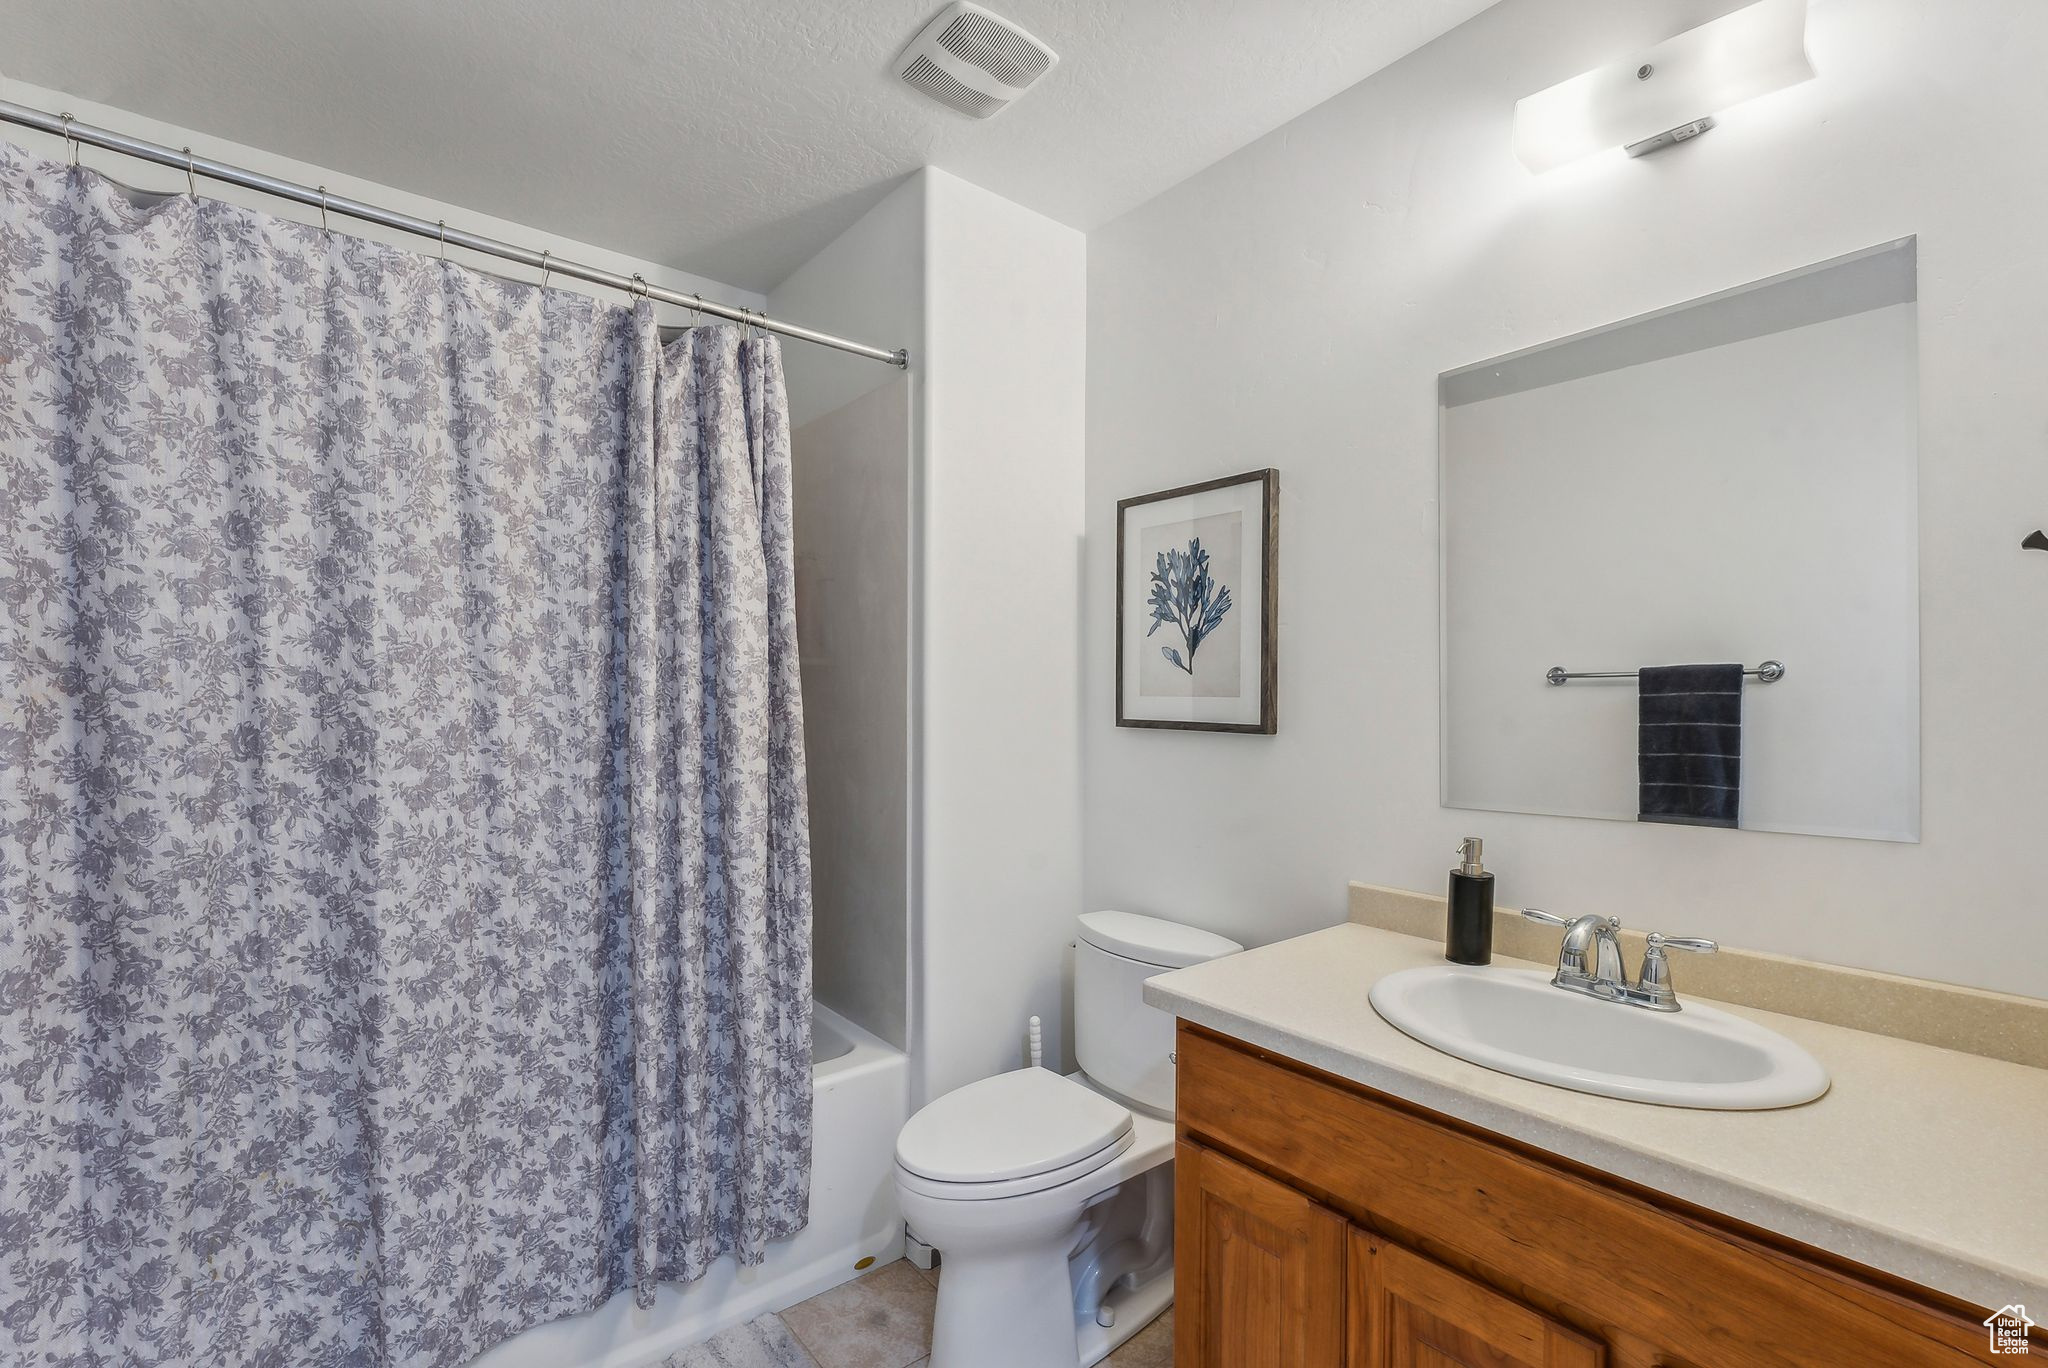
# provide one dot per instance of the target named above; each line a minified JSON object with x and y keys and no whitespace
{"x":1468,"y":930}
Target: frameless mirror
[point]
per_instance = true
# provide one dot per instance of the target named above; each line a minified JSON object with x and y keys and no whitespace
{"x":1733,"y":480}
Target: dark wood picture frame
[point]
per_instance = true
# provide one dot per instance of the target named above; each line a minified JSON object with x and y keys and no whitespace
{"x":1269,"y":600}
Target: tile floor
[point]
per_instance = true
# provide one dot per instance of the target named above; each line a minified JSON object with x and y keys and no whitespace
{"x":882,"y":1319}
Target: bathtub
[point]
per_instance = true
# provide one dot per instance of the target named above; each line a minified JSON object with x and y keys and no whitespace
{"x":863,"y":1098}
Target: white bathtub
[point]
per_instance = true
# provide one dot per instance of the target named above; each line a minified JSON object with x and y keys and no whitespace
{"x":863,"y":1099}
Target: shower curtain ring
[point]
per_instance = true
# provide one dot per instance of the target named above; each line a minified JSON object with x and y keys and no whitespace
{"x":639,"y":286}
{"x":442,"y":224}
{"x":697,"y":311}
{"x":323,"y":208}
{"x":69,"y":141}
{"x":191,"y":181}
{"x":544,"y":269}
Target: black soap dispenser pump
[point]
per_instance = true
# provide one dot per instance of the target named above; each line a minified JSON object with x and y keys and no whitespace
{"x":1468,"y":930}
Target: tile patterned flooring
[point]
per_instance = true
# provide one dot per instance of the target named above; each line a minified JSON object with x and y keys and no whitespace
{"x":882,"y":1319}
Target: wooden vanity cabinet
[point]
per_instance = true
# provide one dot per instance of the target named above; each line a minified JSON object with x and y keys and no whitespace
{"x":1320,"y":1224}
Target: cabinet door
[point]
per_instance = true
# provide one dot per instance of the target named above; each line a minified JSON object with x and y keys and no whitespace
{"x":1258,"y":1270}
{"x":1408,"y":1312}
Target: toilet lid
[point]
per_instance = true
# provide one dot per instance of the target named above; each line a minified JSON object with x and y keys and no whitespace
{"x":1149,"y":940}
{"x":1013,"y":1125}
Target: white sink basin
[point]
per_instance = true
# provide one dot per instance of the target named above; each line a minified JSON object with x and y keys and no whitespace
{"x":1515,"y":1021}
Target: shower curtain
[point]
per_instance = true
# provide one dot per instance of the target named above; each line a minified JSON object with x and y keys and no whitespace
{"x":402,"y":834}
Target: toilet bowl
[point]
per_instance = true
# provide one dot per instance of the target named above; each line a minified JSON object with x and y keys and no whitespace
{"x":1050,"y":1197}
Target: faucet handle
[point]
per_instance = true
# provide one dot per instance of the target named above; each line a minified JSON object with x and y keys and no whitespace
{"x":1653,"y":984}
{"x":1537,"y":914}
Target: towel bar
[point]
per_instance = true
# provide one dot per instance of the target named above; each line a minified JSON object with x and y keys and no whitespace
{"x":1770,"y":672}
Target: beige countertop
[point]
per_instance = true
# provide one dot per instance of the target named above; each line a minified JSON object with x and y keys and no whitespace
{"x":1926,"y":1163}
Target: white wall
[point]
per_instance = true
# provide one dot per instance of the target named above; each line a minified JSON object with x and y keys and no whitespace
{"x":1002,"y":518}
{"x":148,"y":176}
{"x":1293,"y":306}
{"x":1748,"y":501}
{"x":991,"y":300}
{"x":858,"y":453}
{"x":852,"y":480}
{"x":867,"y":284}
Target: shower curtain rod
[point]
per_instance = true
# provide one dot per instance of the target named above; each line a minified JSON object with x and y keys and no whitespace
{"x":182,"y":159}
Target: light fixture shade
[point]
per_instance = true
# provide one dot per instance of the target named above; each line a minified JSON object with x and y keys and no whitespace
{"x":1701,"y":72}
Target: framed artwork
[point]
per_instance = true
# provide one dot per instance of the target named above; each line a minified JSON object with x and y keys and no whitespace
{"x":1197,"y":606}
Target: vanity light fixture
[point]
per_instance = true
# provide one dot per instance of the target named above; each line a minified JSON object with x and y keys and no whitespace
{"x":1667,"y":94}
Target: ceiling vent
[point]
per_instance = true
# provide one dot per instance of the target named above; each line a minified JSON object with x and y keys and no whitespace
{"x":973,"y":61}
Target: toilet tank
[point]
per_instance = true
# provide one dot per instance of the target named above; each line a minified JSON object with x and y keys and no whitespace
{"x":1121,"y":1043}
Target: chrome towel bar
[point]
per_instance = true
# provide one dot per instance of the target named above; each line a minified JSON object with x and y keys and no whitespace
{"x":1770,"y":672}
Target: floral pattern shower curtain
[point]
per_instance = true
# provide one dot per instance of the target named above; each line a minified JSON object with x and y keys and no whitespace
{"x":402,"y":838}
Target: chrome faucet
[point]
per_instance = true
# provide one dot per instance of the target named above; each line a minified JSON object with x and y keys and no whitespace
{"x":1607,"y":978}
{"x":1597,"y":932}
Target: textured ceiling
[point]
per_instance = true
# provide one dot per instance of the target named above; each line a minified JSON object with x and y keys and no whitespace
{"x":733,"y":138}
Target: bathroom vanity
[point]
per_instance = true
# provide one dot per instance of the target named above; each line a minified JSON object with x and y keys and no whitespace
{"x":1345,"y":1195}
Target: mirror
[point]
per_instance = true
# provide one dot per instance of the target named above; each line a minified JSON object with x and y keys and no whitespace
{"x":1729,"y":480}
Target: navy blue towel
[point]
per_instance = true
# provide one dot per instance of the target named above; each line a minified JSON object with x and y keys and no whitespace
{"x":1689,"y":744}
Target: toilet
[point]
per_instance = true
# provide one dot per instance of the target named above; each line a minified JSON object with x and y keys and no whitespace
{"x":1049,"y":1196}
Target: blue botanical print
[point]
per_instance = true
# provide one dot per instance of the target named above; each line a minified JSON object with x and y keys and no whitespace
{"x":404,"y":873}
{"x":1188,"y":598}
